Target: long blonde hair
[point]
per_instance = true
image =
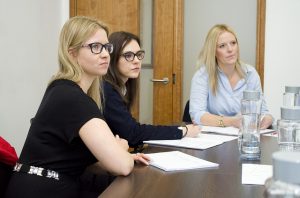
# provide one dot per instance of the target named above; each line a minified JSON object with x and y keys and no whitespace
{"x":207,"y":56}
{"x":73,"y":34}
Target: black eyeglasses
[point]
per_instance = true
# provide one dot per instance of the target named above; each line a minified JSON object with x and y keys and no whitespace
{"x":129,"y":56}
{"x":96,"y":48}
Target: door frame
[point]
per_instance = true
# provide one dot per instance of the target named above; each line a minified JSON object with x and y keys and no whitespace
{"x":260,"y":39}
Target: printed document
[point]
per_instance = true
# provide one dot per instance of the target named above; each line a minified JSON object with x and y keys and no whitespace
{"x":176,"y":160}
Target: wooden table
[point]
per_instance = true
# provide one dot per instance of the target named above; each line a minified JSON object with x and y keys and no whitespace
{"x":225,"y":181}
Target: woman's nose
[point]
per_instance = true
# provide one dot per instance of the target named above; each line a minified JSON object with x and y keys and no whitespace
{"x":135,"y":59}
{"x":104,"y":53}
{"x":229,"y":47}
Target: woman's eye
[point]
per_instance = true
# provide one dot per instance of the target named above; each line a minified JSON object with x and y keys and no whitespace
{"x":128,"y":55}
{"x":140,"y":55}
{"x":96,"y":46}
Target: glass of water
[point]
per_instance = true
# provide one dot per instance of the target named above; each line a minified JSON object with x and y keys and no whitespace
{"x":289,"y":129}
{"x":249,"y":140}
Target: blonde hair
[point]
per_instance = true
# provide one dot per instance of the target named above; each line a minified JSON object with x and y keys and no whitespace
{"x":73,"y":34}
{"x":207,"y":56}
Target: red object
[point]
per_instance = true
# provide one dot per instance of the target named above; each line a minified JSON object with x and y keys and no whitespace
{"x":8,"y":154}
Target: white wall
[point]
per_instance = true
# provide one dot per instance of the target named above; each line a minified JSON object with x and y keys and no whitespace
{"x":29,"y":33}
{"x":282,"y":50}
{"x":201,"y":15}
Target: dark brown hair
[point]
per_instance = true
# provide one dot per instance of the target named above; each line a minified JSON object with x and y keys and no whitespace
{"x":113,"y":76}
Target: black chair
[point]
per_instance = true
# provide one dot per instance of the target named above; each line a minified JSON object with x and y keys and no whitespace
{"x":186,"y":115}
{"x":7,"y":161}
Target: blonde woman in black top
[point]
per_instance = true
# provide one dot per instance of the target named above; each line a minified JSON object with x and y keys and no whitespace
{"x":68,"y":132}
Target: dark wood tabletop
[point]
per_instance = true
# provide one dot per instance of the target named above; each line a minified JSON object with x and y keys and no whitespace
{"x":224,"y":181}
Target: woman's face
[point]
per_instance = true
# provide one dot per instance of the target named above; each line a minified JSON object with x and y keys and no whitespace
{"x":129,"y":64}
{"x":227,"y":49}
{"x":93,"y":64}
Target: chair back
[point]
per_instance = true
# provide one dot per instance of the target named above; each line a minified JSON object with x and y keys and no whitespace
{"x":8,"y":158}
{"x":186,"y":114}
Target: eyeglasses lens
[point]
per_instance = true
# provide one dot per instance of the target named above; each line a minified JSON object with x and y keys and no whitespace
{"x":129,"y":56}
{"x":98,"y":47}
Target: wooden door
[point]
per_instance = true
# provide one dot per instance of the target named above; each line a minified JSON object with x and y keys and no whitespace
{"x":117,"y":15}
{"x":167,"y":44}
{"x":167,"y":60}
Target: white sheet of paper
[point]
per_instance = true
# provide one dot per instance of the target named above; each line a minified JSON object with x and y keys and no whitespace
{"x":220,"y":130}
{"x":256,"y":173}
{"x":228,"y":130}
{"x":202,"y":141}
{"x":216,"y":137}
{"x":176,"y":160}
{"x":187,"y":142}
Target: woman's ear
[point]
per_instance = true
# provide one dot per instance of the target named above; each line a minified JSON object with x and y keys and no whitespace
{"x":73,"y":54}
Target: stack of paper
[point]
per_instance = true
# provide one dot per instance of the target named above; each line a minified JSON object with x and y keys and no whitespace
{"x":175,"y":160}
{"x":203,"y":141}
{"x":228,"y":130}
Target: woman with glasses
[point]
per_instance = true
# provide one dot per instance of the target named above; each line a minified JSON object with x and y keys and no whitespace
{"x":120,"y":90}
{"x":217,"y":87}
{"x":68,"y":132}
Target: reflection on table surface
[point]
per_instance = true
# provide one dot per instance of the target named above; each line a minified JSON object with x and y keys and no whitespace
{"x":225,"y":181}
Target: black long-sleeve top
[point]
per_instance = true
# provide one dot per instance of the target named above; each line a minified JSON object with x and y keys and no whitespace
{"x":121,"y":122}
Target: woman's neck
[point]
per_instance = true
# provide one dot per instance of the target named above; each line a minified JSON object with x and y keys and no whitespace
{"x":231,"y":74}
{"x":85,"y":83}
{"x":228,"y":70}
{"x":124,"y":79}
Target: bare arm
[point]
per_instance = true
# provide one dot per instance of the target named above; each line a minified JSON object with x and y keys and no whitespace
{"x":266,"y":121}
{"x":214,"y":120}
{"x":111,"y":152}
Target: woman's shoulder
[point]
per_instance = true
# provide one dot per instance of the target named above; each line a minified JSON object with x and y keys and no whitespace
{"x":64,"y":87}
{"x":201,"y":73}
{"x":67,"y":94}
{"x":109,"y":89}
{"x":248,"y":68}
{"x":107,"y":85}
{"x":62,"y":83}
